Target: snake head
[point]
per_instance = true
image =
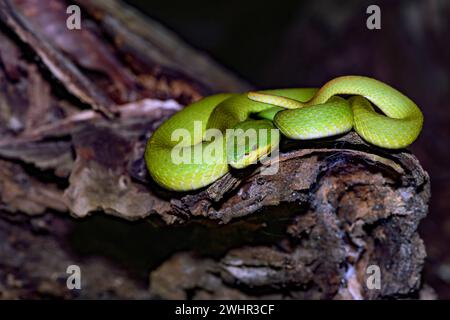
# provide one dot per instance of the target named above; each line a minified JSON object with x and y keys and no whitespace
{"x":250,"y":141}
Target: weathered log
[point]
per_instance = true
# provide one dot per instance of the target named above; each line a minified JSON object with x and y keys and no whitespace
{"x":344,"y":207}
{"x":72,"y":133}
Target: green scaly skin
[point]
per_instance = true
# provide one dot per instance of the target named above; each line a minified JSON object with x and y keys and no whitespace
{"x":300,"y":113}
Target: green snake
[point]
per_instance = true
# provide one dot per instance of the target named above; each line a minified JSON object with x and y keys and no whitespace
{"x":298,"y":113}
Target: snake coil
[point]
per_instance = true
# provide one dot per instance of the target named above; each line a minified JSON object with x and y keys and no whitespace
{"x":299,"y":113}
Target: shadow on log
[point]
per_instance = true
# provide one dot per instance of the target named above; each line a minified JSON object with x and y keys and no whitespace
{"x":73,"y":129}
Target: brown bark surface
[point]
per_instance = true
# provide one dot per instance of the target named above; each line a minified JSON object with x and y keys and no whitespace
{"x":76,"y":108}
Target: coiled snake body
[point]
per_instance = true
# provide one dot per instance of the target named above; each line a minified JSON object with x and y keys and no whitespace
{"x":300,"y":113}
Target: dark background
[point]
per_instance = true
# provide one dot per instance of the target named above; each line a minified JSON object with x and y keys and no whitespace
{"x":306,"y":43}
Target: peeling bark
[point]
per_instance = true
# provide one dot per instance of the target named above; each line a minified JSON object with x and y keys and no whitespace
{"x":345,"y":210}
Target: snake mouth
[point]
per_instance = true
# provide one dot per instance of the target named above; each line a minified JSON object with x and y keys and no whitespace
{"x":253,"y":156}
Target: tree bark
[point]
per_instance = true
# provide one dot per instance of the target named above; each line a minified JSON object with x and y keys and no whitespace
{"x":76,"y":109}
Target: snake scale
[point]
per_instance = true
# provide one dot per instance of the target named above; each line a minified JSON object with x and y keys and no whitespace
{"x":342,"y":104}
